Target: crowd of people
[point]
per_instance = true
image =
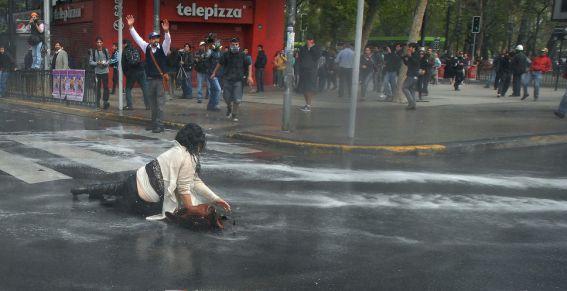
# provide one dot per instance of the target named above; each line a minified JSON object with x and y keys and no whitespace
{"x":227,"y":70}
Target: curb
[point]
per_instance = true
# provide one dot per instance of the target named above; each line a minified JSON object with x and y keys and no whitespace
{"x":341,"y":148}
{"x":444,"y":148}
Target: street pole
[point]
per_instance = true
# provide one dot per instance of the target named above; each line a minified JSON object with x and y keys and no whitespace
{"x":559,"y":60}
{"x":156,"y":15}
{"x":47,"y":32}
{"x":473,"y":49}
{"x":119,"y":7}
{"x":286,"y":114}
{"x":356,"y":68}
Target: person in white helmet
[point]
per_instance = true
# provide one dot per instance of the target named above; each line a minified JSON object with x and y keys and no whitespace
{"x":520,"y":65}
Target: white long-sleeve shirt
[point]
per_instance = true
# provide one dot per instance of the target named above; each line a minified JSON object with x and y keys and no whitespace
{"x":144,"y":45}
{"x":177,"y":167}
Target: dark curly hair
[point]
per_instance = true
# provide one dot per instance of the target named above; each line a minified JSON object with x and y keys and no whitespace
{"x":193,"y":138}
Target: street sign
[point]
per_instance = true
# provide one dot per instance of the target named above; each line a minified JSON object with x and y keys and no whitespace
{"x":475,"y":24}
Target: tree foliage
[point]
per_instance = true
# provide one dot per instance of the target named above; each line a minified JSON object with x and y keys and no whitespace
{"x":505,"y":23}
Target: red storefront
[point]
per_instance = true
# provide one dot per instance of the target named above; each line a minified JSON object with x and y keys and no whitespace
{"x":253,"y":21}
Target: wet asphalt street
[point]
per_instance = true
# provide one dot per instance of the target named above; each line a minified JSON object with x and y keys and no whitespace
{"x":485,"y":221}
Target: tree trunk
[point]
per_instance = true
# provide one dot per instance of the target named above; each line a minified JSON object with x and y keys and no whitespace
{"x":414,"y":34}
{"x":369,"y":20}
{"x":480,"y":39}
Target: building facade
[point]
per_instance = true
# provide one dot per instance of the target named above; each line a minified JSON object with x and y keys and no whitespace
{"x":255,"y":22}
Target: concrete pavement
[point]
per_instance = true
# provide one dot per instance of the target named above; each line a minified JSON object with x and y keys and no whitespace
{"x":471,"y":119}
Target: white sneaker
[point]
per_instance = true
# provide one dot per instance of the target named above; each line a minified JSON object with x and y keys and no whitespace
{"x":305,"y":108}
{"x":235,"y":119}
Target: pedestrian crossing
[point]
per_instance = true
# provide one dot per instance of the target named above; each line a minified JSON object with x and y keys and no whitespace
{"x":36,"y":157}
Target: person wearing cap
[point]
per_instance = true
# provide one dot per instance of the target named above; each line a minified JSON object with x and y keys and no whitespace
{"x":155,"y":54}
{"x":234,"y":62}
{"x":541,"y":64}
{"x":35,"y":40}
{"x":520,"y":65}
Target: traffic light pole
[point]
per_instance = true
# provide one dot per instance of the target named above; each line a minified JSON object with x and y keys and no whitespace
{"x":473,"y":49}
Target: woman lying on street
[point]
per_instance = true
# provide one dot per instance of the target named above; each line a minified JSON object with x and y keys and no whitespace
{"x":172,"y":175}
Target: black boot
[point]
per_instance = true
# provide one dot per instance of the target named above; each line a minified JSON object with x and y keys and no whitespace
{"x":96,"y":191}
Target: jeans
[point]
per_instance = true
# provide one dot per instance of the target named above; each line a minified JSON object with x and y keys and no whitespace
{"x":259,"y":79}
{"x":114,"y":79}
{"x":527,"y":79}
{"x":377,"y":80}
{"x":131,"y":79}
{"x":390,"y":83}
{"x":101,"y":81}
{"x":365,"y":83}
{"x":409,"y":90}
{"x":563,"y":105}
{"x":156,"y":95}
{"x":491,"y":79}
{"x":187,"y":84}
{"x":215,"y":90}
{"x":3,"y":81}
{"x":459,"y":78}
{"x":280,"y":78}
{"x":202,"y":78}
{"x":36,"y":55}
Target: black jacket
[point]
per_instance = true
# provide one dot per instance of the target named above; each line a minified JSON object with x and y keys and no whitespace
{"x":519,"y":63}
{"x":366,"y":66}
{"x":392,"y":62}
{"x":413,"y":64}
{"x":6,"y":62}
{"x":308,"y":58}
{"x":261,"y":60}
{"x":188,"y":60}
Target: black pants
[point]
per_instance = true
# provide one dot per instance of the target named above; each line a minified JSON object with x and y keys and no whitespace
{"x":101,"y":80}
{"x":260,"y":79}
{"x":126,"y":192}
{"x":517,"y":84}
{"x":497,"y":80}
{"x":345,"y":82}
{"x":504,"y":83}
{"x":459,"y":78}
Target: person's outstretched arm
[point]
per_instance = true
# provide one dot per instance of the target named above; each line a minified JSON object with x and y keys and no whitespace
{"x":137,"y":38}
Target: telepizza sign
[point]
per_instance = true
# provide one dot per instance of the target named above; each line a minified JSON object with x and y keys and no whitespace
{"x":240,"y":12}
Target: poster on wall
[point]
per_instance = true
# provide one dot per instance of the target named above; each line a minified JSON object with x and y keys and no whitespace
{"x":56,"y":84}
{"x":68,"y":84}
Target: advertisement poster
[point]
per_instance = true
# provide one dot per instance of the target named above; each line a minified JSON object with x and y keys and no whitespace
{"x":68,"y":84}
{"x":56,"y":84}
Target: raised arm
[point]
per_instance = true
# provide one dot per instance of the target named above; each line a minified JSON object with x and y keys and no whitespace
{"x":167,"y":37}
{"x":141,"y":43}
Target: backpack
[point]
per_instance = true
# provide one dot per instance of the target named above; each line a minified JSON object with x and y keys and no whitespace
{"x":132,"y":56}
{"x":93,"y":54}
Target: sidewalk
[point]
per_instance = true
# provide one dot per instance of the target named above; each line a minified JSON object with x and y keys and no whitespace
{"x":472,"y":119}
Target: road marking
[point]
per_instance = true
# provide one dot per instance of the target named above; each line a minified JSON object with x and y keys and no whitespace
{"x":79,"y":154}
{"x":27,"y":170}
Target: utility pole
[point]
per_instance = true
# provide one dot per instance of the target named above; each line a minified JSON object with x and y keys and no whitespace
{"x":47,"y":32}
{"x":356,"y":68}
{"x":286,"y":113}
{"x":156,"y":15}
{"x":119,"y":8}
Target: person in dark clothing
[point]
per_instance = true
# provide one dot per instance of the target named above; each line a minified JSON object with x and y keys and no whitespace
{"x":495,"y":68}
{"x":411,"y":60}
{"x":424,"y":77}
{"x":520,"y":65}
{"x":367,"y":67}
{"x":186,"y":62}
{"x":322,"y":71}
{"x":172,"y":68}
{"x":459,"y":70}
{"x":450,"y":68}
{"x":259,"y":66}
{"x":36,"y":39}
{"x":307,"y":60}
{"x":378,"y":70}
{"x":114,"y":64}
{"x":331,"y":69}
{"x":133,"y":68}
{"x":504,"y":75}
{"x":392,"y":66}
{"x":6,"y":67}
{"x":234,"y":63}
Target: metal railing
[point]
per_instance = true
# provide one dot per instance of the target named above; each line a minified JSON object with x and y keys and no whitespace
{"x":38,"y":85}
{"x":550,"y":80}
